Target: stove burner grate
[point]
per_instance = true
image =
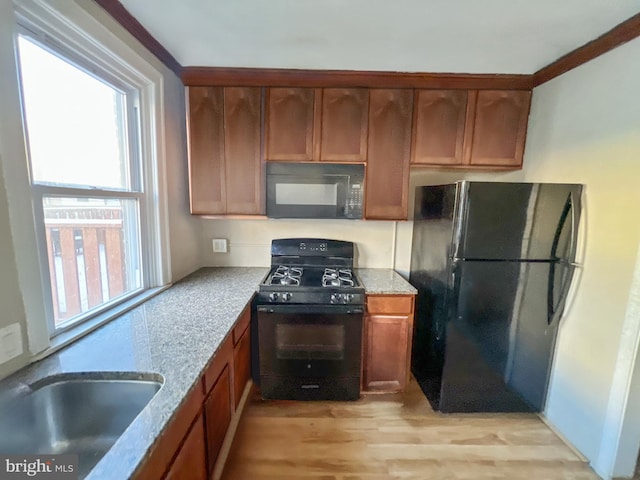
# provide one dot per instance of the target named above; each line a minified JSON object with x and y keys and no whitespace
{"x":286,"y":276}
{"x":334,"y":277}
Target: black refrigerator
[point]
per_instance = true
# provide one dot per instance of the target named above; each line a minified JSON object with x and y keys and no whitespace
{"x":493,"y":263}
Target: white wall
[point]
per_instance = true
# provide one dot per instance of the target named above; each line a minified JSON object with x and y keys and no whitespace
{"x":585,"y":127}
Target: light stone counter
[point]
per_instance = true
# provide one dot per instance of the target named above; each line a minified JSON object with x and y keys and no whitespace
{"x":174,"y":334}
{"x":380,"y":281}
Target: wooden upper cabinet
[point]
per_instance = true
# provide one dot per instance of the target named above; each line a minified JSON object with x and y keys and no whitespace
{"x":206,"y":150}
{"x":439,"y":120}
{"x":290,"y":130}
{"x":387,"y":182}
{"x":242,"y":150}
{"x":225,"y":167}
{"x":344,"y":124}
{"x":500,"y":127}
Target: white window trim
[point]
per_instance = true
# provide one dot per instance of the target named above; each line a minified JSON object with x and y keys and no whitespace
{"x":74,"y":29}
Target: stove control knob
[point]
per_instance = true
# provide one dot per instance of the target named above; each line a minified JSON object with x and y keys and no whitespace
{"x":286,"y":296}
{"x":335,"y":298}
{"x":347,"y":297}
{"x":273,"y":296}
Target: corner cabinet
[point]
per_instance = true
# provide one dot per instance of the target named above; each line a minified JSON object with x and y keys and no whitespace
{"x":225,"y":164}
{"x":470,"y":129}
{"x":388,"y":330}
{"x":387,"y":178}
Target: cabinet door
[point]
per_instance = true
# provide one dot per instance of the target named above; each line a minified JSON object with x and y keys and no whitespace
{"x":344,"y":124}
{"x":386,"y":349}
{"x":241,"y":365}
{"x":439,"y":126}
{"x":206,"y":150}
{"x":291,"y":124}
{"x":387,"y":181}
{"x":500,"y":128}
{"x":191,"y":460}
{"x":217,"y":411}
{"x":243,"y":166}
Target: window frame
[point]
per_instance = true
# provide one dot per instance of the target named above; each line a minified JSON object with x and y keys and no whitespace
{"x":77,"y":38}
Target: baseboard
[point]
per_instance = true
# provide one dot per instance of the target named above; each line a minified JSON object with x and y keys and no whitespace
{"x":563,"y":438}
{"x":231,"y":433}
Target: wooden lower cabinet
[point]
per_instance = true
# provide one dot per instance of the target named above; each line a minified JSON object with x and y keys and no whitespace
{"x":217,"y":414}
{"x":191,"y":461}
{"x":388,"y":328}
{"x":190,"y":445}
{"x":241,"y":365}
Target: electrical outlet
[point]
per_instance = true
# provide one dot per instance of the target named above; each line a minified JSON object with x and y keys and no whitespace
{"x":10,"y":342}
{"x":220,"y":245}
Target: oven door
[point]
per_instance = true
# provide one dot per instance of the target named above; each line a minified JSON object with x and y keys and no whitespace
{"x":310,"y":341}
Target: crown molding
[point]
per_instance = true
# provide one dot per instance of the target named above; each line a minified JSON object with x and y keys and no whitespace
{"x":622,"y":33}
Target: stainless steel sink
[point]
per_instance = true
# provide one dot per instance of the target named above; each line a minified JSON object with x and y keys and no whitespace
{"x":83,"y":414}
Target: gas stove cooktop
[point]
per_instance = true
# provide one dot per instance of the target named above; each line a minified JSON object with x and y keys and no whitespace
{"x":306,"y":271}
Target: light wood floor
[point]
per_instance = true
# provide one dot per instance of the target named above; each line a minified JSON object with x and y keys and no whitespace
{"x":383,"y":437}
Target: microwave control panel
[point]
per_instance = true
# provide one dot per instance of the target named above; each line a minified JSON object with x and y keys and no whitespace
{"x":354,"y":201}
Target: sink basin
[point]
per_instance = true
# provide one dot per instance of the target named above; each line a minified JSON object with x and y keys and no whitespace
{"x":81,"y":414}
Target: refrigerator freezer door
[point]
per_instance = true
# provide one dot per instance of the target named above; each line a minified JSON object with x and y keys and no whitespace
{"x":517,"y":221}
{"x":498,"y":343}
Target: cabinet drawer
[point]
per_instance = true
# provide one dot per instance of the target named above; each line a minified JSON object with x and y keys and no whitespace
{"x":390,"y":303}
{"x":242,"y":324}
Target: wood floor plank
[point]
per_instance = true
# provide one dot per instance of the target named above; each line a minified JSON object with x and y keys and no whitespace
{"x":382,"y":437}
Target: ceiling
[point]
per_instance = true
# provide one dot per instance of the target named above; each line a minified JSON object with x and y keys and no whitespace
{"x":452,"y":36}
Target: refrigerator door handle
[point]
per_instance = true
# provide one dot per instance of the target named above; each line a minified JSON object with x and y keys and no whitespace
{"x":565,"y":289}
{"x":552,"y":306}
{"x":574,"y":230}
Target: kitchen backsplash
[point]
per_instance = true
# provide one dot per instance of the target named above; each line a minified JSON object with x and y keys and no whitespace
{"x":379,"y":244}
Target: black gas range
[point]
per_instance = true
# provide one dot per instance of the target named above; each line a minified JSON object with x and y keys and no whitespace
{"x":311,"y":271}
{"x":309,"y":314}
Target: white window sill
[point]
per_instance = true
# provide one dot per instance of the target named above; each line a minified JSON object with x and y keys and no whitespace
{"x":69,"y":336}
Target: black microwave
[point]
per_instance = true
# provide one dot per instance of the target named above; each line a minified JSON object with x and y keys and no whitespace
{"x":314,"y":190}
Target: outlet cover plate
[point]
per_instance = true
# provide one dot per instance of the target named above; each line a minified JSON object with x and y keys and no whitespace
{"x":220,"y":245}
{"x":10,"y":342}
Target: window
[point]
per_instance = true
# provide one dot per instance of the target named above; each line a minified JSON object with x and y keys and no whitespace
{"x":87,"y":180}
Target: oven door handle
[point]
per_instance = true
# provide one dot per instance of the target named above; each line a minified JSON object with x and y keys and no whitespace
{"x":312,"y":309}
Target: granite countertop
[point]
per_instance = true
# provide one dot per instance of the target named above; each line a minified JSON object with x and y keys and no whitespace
{"x":384,"y":281}
{"x":174,"y":334}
